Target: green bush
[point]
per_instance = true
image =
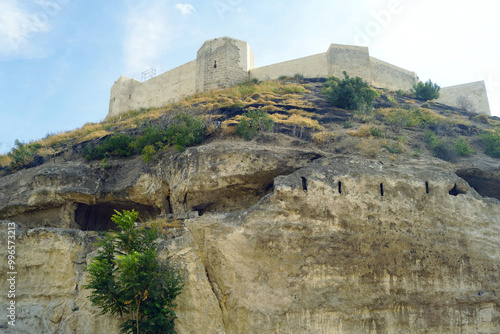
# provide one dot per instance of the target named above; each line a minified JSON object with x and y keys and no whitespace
{"x":491,"y":143}
{"x":377,"y":132}
{"x":186,"y":131}
{"x":148,"y":153}
{"x":252,"y":122}
{"x":127,"y":278}
{"x":22,"y":154}
{"x":347,"y":124}
{"x":404,"y":93}
{"x":152,"y":135}
{"x":463,"y":148}
{"x":349,"y":93}
{"x":427,"y":91}
{"x":395,"y":148}
{"x":446,"y":149}
{"x":118,"y":145}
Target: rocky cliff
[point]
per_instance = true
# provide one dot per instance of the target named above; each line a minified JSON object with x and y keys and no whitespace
{"x":269,"y":239}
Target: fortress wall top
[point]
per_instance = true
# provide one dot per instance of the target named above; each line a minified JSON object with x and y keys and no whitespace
{"x":166,"y":88}
{"x":388,"y":76}
{"x":225,"y":62}
{"x":354,"y":60}
{"x":222,"y":63}
{"x":130,"y":94}
{"x":475,"y":92}
{"x":310,"y":67}
{"x":121,"y":94}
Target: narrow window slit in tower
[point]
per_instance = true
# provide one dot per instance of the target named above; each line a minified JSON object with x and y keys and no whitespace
{"x":215,"y":64}
{"x":340,"y":187}
{"x":426,"y":187}
{"x":381,"y":189}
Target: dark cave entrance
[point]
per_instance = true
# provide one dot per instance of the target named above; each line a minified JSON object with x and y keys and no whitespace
{"x":98,"y":217}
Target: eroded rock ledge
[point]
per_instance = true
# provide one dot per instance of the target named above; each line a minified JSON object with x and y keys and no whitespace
{"x":334,"y":245}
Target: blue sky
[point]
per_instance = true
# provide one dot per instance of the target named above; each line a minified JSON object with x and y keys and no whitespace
{"x":59,"y":58}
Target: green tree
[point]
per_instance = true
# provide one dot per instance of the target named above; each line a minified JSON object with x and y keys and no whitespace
{"x":349,"y":93}
{"x":128,"y":279}
{"x":427,"y":91}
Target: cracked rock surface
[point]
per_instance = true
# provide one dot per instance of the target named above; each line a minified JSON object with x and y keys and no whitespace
{"x":283,"y":240}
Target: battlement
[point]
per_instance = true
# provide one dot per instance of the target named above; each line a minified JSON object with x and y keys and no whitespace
{"x":224,"y":62}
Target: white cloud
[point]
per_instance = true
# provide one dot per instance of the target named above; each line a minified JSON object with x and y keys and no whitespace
{"x":147,"y":35}
{"x":17,"y":28}
{"x":185,"y":9}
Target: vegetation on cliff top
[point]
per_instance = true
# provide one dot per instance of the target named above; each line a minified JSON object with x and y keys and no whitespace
{"x":296,"y":107}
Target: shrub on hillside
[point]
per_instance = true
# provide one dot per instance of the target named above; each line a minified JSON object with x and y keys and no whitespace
{"x":349,"y":93}
{"x":491,"y":143}
{"x":447,"y":149}
{"x":252,"y":122}
{"x":118,"y":145}
{"x":427,"y":91}
{"x":463,"y":148}
{"x":186,"y":131}
{"x":22,"y":154}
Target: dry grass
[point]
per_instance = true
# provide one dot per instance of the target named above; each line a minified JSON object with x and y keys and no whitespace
{"x":271,"y":108}
{"x":228,"y":127}
{"x":370,"y":147}
{"x":303,"y":122}
{"x":297,"y":120}
{"x":323,"y":137}
{"x":363,"y":132}
{"x":278,"y":118}
{"x":5,"y":160}
{"x":164,"y":224}
{"x":301,"y":112}
{"x":482,"y":118}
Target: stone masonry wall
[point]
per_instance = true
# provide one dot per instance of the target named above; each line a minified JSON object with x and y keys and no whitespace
{"x":222,"y":63}
{"x":391,"y":77}
{"x":475,"y":92}
{"x":225,"y":62}
{"x":310,"y":67}
{"x":129,"y":94}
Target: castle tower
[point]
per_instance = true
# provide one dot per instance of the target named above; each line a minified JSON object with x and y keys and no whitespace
{"x":222,"y":63}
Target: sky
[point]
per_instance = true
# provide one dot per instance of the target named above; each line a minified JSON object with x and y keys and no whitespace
{"x":59,"y":58}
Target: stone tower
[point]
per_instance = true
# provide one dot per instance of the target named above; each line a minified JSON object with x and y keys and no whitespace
{"x":222,"y":63}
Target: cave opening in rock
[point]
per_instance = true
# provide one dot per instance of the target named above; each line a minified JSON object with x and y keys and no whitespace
{"x":426,"y":187}
{"x":98,"y":217}
{"x":340,"y":187}
{"x":486,"y":184}
{"x":455,"y":191}
{"x":382,"y":189}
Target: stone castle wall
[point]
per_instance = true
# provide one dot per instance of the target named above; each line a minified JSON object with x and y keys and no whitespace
{"x":222,"y":63}
{"x":225,"y":62}
{"x":475,"y":92}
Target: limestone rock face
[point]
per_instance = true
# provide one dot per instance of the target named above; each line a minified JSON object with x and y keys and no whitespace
{"x":209,"y":178}
{"x":285,"y":242}
{"x":327,"y":253}
{"x":50,"y":297}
